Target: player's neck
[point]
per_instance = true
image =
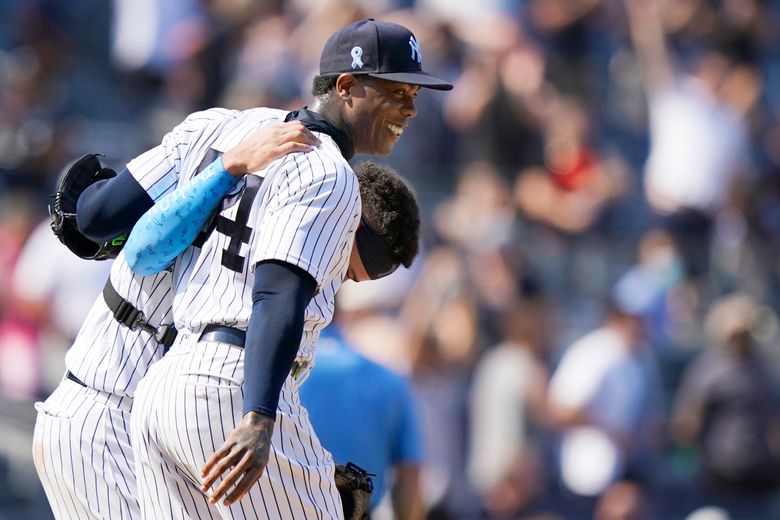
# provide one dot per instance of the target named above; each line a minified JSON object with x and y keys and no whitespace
{"x":334,"y":116}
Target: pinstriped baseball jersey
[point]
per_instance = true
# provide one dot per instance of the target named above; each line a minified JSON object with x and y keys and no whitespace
{"x":182,"y":150}
{"x":302,"y":209}
{"x":81,"y":449}
{"x":108,"y":355}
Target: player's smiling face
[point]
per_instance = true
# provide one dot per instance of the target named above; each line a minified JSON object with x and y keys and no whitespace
{"x":379,"y":113}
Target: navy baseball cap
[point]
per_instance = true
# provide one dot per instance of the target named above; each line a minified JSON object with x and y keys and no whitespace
{"x":379,"y":49}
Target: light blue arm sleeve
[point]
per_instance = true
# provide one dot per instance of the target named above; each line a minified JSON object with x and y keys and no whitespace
{"x":175,"y":220}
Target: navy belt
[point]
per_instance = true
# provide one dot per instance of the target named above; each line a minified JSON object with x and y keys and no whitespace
{"x":224,"y":334}
{"x":237,"y":338}
{"x":69,"y":375}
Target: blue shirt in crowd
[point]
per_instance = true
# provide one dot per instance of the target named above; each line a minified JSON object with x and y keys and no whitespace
{"x":361,"y":411}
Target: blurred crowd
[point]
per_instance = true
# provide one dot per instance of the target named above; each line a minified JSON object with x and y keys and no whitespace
{"x":592,"y":328}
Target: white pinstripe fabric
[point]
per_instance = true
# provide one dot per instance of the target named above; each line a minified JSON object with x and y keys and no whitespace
{"x":106,"y":354}
{"x":185,"y":408}
{"x":81,"y":450}
{"x":82,"y":435}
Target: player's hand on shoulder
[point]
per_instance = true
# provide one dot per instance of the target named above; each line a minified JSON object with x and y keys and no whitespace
{"x":266,"y":145}
{"x":243,"y":456}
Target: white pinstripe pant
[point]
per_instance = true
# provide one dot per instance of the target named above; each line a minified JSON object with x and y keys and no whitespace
{"x":81,"y":450}
{"x":186,"y":406}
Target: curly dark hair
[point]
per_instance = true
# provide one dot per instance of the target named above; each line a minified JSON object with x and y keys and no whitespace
{"x":322,"y":85}
{"x":390,"y":208}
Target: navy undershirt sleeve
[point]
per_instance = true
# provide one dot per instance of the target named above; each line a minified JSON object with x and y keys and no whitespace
{"x":279,"y":298}
{"x":111,"y":207}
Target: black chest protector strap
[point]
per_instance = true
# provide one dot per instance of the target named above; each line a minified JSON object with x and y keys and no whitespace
{"x":125,"y":313}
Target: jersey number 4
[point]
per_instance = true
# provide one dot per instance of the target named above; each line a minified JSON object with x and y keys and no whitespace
{"x":237,"y":229}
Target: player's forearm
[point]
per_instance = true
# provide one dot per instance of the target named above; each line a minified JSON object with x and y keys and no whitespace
{"x":279,"y":299}
{"x":407,"y":495}
{"x":111,"y":207}
{"x":171,"y":225}
{"x":566,"y":416}
{"x":649,"y":40}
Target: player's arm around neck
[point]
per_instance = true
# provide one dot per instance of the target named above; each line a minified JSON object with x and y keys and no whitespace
{"x":266,"y":145}
{"x":172,"y":224}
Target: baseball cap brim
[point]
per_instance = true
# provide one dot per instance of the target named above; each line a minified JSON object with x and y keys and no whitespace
{"x":422,"y":79}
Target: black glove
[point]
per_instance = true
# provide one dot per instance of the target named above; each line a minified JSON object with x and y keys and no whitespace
{"x":74,"y":179}
{"x":355,"y":488}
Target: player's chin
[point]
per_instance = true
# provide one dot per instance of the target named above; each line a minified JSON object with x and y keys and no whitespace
{"x":386,"y":147}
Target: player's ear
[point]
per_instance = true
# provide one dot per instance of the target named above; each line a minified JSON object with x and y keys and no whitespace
{"x":344,"y":85}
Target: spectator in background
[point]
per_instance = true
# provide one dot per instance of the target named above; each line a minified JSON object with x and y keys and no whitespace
{"x":479,"y":215}
{"x":726,"y":407}
{"x":172,"y":27}
{"x":366,"y":414}
{"x":506,"y":452}
{"x":501,"y":100}
{"x":698,"y":134}
{"x":19,"y":360}
{"x":601,"y":398}
{"x":479,"y":221}
{"x":574,"y":185}
{"x":563,"y":26}
{"x":652,"y":287}
{"x":267,"y":71}
{"x":511,"y":114}
{"x":53,"y":290}
{"x":17,"y":219}
{"x":440,"y":311}
{"x":60,"y":286}
{"x":624,"y":500}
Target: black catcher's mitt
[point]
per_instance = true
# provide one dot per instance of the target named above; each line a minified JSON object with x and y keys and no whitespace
{"x":74,"y":179}
{"x":355,"y":488}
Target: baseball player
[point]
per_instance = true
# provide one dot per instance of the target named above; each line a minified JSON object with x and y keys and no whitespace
{"x":263,"y":282}
{"x":81,"y":444}
{"x":176,"y":426}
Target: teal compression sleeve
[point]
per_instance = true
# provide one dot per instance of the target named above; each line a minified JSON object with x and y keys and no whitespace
{"x":175,"y":220}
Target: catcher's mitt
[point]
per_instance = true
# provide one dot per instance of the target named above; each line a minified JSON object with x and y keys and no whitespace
{"x":355,"y":488}
{"x":74,"y":179}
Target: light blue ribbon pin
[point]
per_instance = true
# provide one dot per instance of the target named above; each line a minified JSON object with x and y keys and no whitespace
{"x":356,"y":53}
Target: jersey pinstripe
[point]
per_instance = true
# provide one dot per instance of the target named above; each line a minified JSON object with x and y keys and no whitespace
{"x":81,"y":449}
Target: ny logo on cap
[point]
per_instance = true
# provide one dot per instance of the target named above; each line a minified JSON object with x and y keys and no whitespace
{"x":356,"y":54}
{"x":415,"y":49}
